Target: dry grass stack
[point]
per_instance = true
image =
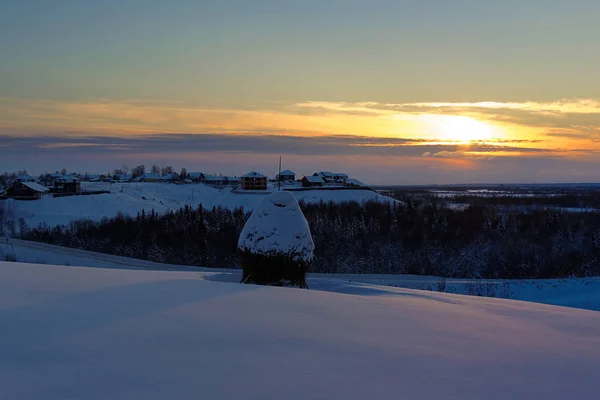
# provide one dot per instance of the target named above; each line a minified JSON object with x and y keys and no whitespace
{"x":276,"y":245}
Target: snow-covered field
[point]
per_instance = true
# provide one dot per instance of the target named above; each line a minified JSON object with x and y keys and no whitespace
{"x":577,"y":292}
{"x":131,"y":198}
{"x":94,"y":333}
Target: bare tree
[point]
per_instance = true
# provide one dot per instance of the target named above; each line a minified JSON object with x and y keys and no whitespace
{"x":138,"y":171}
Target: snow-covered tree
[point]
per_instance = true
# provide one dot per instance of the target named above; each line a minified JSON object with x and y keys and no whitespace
{"x":276,"y":245}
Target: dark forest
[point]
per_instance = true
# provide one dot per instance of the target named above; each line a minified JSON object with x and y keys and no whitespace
{"x":372,"y":238}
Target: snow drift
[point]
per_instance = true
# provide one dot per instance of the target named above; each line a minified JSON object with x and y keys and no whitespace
{"x":276,"y":245}
{"x":277,"y":225}
{"x":93,"y":333}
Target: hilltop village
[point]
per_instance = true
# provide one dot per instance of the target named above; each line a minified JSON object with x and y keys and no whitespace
{"x":23,"y":186}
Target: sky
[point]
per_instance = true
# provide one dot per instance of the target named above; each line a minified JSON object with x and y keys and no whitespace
{"x":391,"y":92}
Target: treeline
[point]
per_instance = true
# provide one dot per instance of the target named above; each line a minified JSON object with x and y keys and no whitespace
{"x":479,"y":242}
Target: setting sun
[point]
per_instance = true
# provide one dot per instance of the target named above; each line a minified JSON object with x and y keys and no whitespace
{"x":462,"y":128}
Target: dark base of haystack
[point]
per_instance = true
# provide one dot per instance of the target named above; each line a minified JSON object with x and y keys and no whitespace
{"x":273,"y":270}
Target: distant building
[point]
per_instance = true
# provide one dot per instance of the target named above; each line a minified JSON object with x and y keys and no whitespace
{"x":326,"y":176}
{"x":90,"y":178}
{"x":254,"y":181}
{"x":122,"y":177}
{"x":149,"y":177}
{"x":332,"y":177}
{"x":24,"y":191}
{"x":167,"y":178}
{"x":24,"y":178}
{"x":286,"y":176}
{"x":196,"y":176}
{"x":339,"y":176}
{"x":66,"y":184}
{"x":308,"y":181}
{"x":221,"y":180}
{"x":354,"y":183}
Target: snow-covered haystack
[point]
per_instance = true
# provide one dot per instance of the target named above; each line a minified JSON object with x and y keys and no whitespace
{"x":276,"y":245}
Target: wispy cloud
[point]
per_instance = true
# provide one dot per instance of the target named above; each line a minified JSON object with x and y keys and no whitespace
{"x":577,"y":106}
{"x":273,"y":144}
{"x":569,"y":119}
{"x":514,"y":121}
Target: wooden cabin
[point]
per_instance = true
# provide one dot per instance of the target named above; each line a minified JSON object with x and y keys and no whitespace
{"x":149,"y":177}
{"x":66,"y":184}
{"x":309,"y":181}
{"x":24,"y":191}
{"x":286,"y":176}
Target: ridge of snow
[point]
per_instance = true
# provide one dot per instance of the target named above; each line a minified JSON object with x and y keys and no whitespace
{"x":131,"y":198}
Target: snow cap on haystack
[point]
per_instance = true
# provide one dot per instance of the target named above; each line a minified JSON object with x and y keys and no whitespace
{"x":277,"y":226}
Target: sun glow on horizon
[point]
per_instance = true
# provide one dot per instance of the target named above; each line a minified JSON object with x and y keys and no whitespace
{"x":462,"y":128}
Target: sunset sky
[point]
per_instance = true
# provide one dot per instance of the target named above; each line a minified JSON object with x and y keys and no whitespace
{"x":392,"y":92}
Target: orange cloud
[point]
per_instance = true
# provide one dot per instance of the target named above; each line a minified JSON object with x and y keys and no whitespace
{"x":558,"y":125}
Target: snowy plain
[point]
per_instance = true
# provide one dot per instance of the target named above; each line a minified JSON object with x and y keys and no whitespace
{"x":575,"y":292}
{"x":95,"y":333}
{"x":131,"y":198}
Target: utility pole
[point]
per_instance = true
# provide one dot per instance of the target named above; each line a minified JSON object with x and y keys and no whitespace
{"x":279,"y":176}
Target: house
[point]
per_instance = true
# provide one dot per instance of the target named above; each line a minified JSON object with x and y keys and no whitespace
{"x":220,"y":180}
{"x":233,"y":180}
{"x":149,"y":177}
{"x":25,"y":191}
{"x":167,"y":178}
{"x":24,"y":178}
{"x":196,"y":176}
{"x":90,"y":178}
{"x":332,"y":177}
{"x":254,"y":181}
{"x":326,"y":176}
{"x":286,"y":176}
{"x":354,"y":183}
{"x":121,"y":177}
{"x":312,"y":180}
{"x":339,"y":176}
{"x":66,"y":184}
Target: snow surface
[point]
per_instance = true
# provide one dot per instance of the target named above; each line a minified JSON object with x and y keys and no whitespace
{"x":93,"y":333}
{"x":576,"y":292}
{"x":131,"y":198}
{"x":277,"y":225}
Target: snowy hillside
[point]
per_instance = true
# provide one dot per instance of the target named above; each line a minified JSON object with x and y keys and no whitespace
{"x":575,"y":292}
{"x":131,"y":198}
{"x":96,"y":333}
